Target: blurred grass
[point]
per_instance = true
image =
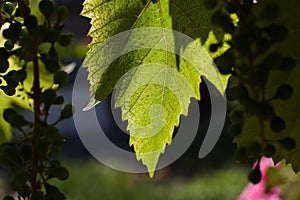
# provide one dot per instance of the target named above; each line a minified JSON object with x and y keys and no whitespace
{"x":91,"y":180}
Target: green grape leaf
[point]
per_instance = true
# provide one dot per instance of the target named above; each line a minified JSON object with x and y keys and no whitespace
{"x":109,"y":18}
{"x":192,"y":18}
{"x":154,"y":71}
{"x":152,"y":98}
{"x":289,"y":109}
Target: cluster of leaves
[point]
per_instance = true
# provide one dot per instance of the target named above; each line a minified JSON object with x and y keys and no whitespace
{"x":27,"y":59}
{"x":262,"y":59}
{"x":262,"y":81}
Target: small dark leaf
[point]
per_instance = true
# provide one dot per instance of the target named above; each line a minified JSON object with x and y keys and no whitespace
{"x":46,"y":7}
{"x":61,"y":78}
{"x":67,"y":111}
{"x":60,"y":172}
{"x":284,"y":92}
{"x":277,"y":124}
{"x":214,"y":47}
{"x":9,"y":45}
{"x":288,"y":64}
{"x":52,"y":135}
{"x":4,"y":64}
{"x":19,"y":179}
{"x":52,"y":36}
{"x":269,"y":150}
{"x":8,"y":7}
{"x":8,"y":90}
{"x":59,"y":100}
{"x":49,"y":97}
{"x":30,"y":22}
{"x":235,"y":129}
{"x":236,"y":115}
{"x":225,"y":62}
{"x":8,"y":198}
{"x":65,"y":39}
{"x":238,"y":92}
{"x":15,"y":119}
{"x":62,"y":13}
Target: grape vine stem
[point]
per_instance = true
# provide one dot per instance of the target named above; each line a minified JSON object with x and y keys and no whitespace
{"x":250,"y":80}
{"x":36,"y":89}
{"x":37,"y":120}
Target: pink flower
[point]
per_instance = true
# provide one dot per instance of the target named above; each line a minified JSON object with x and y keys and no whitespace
{"x":258,"y":191}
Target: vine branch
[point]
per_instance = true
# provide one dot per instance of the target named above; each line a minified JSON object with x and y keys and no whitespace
{"x":250,"y":80}
{"x":25,"y":10}
{"x":37,"y":120}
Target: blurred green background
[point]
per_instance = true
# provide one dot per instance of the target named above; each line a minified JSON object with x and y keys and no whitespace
{"x":91,"y":180}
